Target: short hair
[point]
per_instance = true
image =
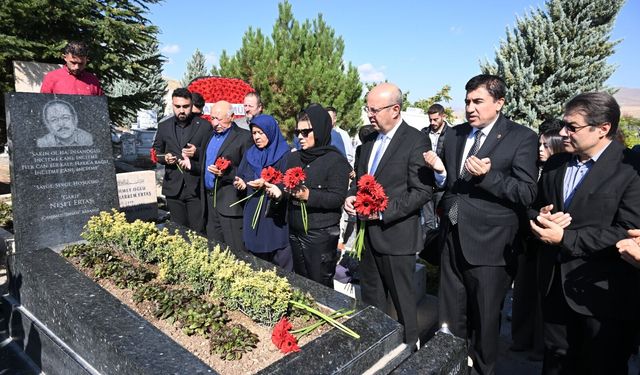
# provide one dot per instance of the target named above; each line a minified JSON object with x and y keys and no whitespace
{"x":57,"y":102}
{"x":256,"y":95}
{"x":435,"y":108}
{"x":493,"y":84}
{"x":197,"y":100}
{"x":365,"y":131}
{"x":597,"y":108}
{"x":77,"y":48}
{"x":549,"y":125}
{"x":302,"y":116}
{"x":396,"y":97}
{"x":181,"y":92}
{"x":554,"y":139}
{"x":331,"y":109}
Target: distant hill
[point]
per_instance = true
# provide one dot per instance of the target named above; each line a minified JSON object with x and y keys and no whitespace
{"x":629,"y":100}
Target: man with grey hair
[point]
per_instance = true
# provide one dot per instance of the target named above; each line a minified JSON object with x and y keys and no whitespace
{"x":393,"y":155}
{"x":61,"y":120}
{"x":252,"y":108}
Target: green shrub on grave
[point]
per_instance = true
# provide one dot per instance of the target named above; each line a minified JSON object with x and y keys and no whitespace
{"x":262,"y":295}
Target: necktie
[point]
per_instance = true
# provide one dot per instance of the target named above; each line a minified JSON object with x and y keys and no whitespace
{"x":453,"y":211}
{"x":378,"y":155}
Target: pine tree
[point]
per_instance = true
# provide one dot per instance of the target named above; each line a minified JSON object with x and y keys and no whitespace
{"x":553,"y":54}
{"x":300,"y":64}
{"x":195,"y":68}
{"x":148,"y":91}
{"x":117,"y":34}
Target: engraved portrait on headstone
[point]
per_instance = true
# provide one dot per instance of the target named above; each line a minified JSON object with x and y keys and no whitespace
{"x":61,"y":121}
{"x":61,"y":163}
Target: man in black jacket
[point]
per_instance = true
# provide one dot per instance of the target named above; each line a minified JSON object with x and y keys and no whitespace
{"x":175,"y":140}
{"x":393,"y":155}
{"x":590,"y":294}
{"x":489,"y":170}
{"x":223,"y":223}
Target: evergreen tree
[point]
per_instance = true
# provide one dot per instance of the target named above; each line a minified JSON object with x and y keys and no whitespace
{"x":117,"y":33}
{"x":553,"y":54}
{"x":442,"y":96}
{"x":195,"y":68}
{"x":300,"y":64}
{"x":148,"y":91}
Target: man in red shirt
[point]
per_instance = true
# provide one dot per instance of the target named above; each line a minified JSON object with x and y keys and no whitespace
{"x":72,"y":79}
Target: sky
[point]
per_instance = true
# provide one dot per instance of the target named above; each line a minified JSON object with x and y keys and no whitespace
{"x":418,"y":45}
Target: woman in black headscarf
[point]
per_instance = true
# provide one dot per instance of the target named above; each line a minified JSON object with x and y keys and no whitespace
{"x":323,"y":193}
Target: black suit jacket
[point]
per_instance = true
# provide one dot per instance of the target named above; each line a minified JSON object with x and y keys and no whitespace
{"x":595,"y":280}
{"x":488,"y":206}
{"x":233,"y":148}
{"x":409,"y":185}
{"x":166,"y":141}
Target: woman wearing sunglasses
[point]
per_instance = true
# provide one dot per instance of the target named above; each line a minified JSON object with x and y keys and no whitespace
{"x":268,"y":239}
{"x":323,"y":193}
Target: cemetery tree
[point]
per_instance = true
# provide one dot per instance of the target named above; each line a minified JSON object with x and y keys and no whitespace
{"x":442,"y":96}
{"x":118,"y":35}
{"x":149,"y":90}
{"x":554,"y":53}
{"x":195,"y":68}
{"x":301,"y":63}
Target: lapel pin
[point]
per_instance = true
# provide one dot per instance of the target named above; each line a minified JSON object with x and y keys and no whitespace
{"x":499,"y":136}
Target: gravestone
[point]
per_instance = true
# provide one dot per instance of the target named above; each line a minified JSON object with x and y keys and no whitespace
{"x":61,"y":164}
{"x":138,"y":195}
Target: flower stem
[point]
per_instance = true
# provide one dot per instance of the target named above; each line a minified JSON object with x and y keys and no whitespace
{"x":256,"y":215}
{"x":215,"y":190}
{"x":301,"y":332}
{"x":305,"y":218}
{"x":326,"y":318}
{"x":359,"y":245}
{"x":244,"y":199}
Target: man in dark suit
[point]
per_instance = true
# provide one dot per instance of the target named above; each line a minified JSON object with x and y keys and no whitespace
{"x":589,"y":197}
{"x":176,"y":139}
{"x":436,"y":131}
{"x":223,"y":223}
{"x":393,"y":155}
{"x":489,"y":170}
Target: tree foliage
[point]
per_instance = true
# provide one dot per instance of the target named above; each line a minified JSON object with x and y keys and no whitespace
{"x":196,"y":67}
{"x":300,"y":64}
{"x":442,"y":96}
{"x":117,"y":33}
{"x":552,"y":54}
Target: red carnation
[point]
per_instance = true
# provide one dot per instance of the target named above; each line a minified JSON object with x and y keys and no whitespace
{"x":294,"y":177}
{"x":154,"y":155}
{"x":366,"y":182}
{"x":282,"y":338}
{"x":222,"y":163}
{"x":271,"y":175}
{"x":289,"y":344}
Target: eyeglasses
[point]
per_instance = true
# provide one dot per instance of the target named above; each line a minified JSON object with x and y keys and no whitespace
{"x":574,"y":129}
{"x":305,"y":132}
{"x":375,"y":111}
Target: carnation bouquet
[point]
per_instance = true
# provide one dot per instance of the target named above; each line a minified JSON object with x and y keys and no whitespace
{"x":294,"y":179}
{"x":370,"y":200}
{"x":270,"y":175}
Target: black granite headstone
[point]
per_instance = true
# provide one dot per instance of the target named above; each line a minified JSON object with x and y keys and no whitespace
{"x":61,"y":162}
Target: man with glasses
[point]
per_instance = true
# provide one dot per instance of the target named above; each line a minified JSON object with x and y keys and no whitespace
{"x":175,"y":140}
{"x":393,"y":155}
{"x":589,"y":197}
{"x":489,"y":171}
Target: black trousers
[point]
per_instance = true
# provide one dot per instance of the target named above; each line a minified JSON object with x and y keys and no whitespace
{"x":526,"y":325}
{"x":315,"y":253}
{"x":580,"y":344}
{"x":186,"y":210}
{"x":223,"y":229}
{"x":385,"y":276}
{"x":470,"y":300}
{"x":279,"y":257}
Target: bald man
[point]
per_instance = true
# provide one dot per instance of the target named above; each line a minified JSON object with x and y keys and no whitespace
{"x":223,"y":223}
{"x":393,"y":155}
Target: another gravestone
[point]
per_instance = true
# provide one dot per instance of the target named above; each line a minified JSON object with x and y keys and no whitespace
{"x":61,"y":163}
{"x":138,"y":195}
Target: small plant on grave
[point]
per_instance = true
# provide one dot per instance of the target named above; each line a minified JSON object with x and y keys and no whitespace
{"x":171,"y":304}
{"x":203,"y":318}
{"x":148,"y":292}
{"x":230,"y":342}
{"x":6,"y":216}
{"x":96,"y":255}
{"x":74,"y":251}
